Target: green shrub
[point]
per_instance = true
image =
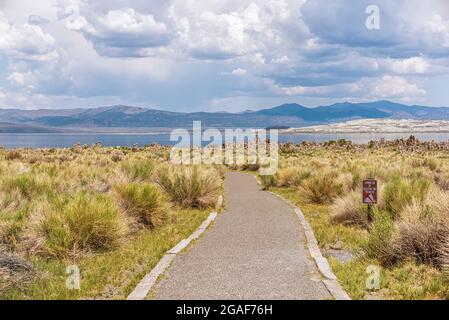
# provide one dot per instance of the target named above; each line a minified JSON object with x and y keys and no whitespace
{"x":84,"y":223}
{"x":190,"y":186}
{"x":378,"y":245}
{"x":321,"y":189}
{"x":140,"y":170}
{"x":142,"y":201}
{"x":400,"y":192}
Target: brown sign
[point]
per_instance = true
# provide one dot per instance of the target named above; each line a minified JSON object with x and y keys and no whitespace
{"x":370,"y":191}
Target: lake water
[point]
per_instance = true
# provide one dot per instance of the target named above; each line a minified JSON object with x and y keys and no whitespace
{"x":66,"y":140}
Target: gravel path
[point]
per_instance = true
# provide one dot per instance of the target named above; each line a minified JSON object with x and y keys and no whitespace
{"x":255,"y":250}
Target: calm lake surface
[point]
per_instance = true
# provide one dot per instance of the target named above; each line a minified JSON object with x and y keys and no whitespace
{"x":66,"y":140}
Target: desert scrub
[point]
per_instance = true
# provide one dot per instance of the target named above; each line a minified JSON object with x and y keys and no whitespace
{"x":143,"y":202}
{"x":193,"y":187}
{"x":82,"y":224}
{"x":111,"y":274}
{"x":87,"y":205}
{"x":408,"y":235}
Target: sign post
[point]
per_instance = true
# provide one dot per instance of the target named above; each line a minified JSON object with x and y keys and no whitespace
{"x":369,"y":195}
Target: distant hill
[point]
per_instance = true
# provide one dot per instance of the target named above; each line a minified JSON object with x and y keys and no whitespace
{"x":23,"y":128}
{"x":286,"y":115}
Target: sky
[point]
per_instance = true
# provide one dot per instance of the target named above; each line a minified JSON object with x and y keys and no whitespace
{"x":222,"y":55}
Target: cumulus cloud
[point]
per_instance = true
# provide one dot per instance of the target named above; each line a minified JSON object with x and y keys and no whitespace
{"x":414,"y":65}
{"x":439,"y":28}
{"x":26,"y":42}
{"x":211,"y":35}
{"x":216,"y":50}
{"x":21,"y":79}
{"x":395,"y":87}
{"x":123,"y":32}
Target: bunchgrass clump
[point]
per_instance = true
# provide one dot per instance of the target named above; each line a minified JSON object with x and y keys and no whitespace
{"x":26,"y":184}
{"x":291,"y":177}
{"x":190,"y":186}
{"x":399,"y":192}
{"x":143,"y":202}
{"x":139,"y":170}
{"x":378,"y":245}
{"x":349,"y":210}
{"x":321,"y":188}
{"x":82,"y":224}
{"x":419,"y":234}
{"x":11,"y":226}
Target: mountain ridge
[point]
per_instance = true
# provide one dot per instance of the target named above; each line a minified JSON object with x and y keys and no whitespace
{"x":288,"y":114}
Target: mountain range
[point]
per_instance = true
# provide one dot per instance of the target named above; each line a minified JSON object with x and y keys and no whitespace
{"x":286,"y":115}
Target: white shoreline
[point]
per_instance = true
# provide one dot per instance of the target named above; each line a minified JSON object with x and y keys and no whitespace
{"x":376,"y":126}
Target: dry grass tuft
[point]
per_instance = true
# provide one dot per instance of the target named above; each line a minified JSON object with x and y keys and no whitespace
{"x":291,"y":177}
{"x":190,"y":186}
{"x":143,"y":202}
{"x":140,"y":170}
{"x":321,"y":189}
{"x":399,"y":192}
{"x":82,"y":224}
{"x":349,"y":210}
{"x":420,"y":233}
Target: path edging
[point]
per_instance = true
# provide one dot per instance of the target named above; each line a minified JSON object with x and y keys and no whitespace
{"x":141,"y":291}
{"x":330,"y":281}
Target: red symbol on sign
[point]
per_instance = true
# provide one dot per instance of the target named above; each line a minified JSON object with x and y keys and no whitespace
{"x":370,"y":191}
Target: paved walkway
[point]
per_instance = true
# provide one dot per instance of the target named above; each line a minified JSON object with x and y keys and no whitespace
{"x":255,"y":250}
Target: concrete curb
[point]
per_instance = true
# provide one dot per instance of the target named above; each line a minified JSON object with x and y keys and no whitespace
{"x":140,"y":292}
{"x":321,"y":262}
